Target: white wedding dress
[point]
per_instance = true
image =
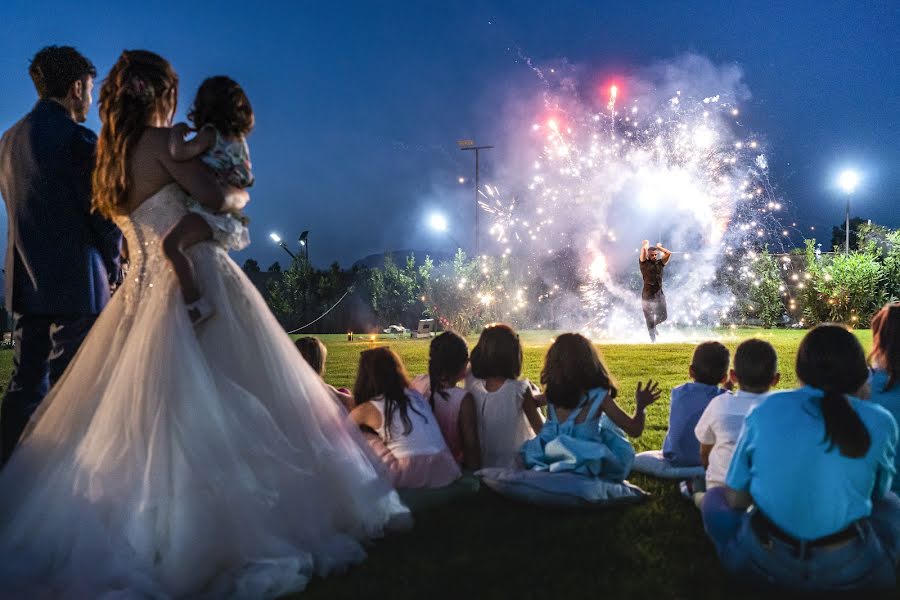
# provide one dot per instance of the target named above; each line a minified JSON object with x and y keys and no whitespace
{"x":169,"y":464}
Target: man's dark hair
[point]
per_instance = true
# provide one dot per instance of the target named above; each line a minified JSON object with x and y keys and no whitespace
{"x":710,"y":363}
{"x":55,"y":68}
{"x":755,"y":364}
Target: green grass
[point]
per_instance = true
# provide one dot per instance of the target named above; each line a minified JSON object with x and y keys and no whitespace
{"x":488,"y":547}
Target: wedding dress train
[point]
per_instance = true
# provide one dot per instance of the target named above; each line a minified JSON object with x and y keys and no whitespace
{"x":167,"y":463}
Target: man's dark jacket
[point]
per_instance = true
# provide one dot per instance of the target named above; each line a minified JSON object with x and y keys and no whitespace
{"x":60,"y":257}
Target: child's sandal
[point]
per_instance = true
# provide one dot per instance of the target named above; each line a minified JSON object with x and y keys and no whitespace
{"x":200,"y":311}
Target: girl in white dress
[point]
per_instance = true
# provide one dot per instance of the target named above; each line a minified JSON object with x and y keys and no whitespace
{"x":502,"y":406}
{"x":166,"y":464}
{"x":409,"y":440}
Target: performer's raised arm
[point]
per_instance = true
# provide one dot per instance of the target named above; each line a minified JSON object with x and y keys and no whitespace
{"x":666,"y":254}
{"x":645,"y":247}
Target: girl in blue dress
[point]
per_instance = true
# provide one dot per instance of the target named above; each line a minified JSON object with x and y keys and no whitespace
{"x":584,"y":433}
{"x":884,"y":381}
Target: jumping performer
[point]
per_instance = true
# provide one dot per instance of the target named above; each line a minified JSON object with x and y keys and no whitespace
{"x":653,"y":300}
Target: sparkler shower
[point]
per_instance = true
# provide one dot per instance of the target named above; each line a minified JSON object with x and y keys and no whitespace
{"x":663,"y":157}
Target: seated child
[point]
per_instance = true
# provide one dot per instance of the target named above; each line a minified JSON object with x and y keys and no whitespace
{"x":315,"y":353}
{"x":884,"y":382}
{"x":709,"y":369}
{"x":500,"y":408}
{"x":447,"y":361}
{"x":755,"y":372}
{"x":575,"y":439}
{"x":416,"y":455}
{"x":222,"y":117}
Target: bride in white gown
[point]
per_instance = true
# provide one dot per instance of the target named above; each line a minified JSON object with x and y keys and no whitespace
{"x":167,"y":463}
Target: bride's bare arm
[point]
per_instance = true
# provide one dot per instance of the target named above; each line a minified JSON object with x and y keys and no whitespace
{"x":197,"y":180}
{"x":181,"y":149}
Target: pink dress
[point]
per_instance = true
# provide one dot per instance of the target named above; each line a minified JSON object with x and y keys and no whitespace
{"x":446,"y":411}
{"x":420,"y":458}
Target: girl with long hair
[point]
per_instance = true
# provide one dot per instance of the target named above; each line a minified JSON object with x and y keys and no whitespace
{"x":583,"y":416}
{"x":416,"y":454}
{"x":448,"y":360}
{"x":884,"y":380}
{"x":169,"y":462}
{"x":815,"y":465}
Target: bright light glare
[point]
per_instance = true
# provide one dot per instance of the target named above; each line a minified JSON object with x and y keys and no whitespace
{"x":438,"y":222}
{"x":275,"y":237}
{"x":848,"y":180}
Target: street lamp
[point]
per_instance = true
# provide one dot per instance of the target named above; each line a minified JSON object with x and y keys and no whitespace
{"x":304,"y":243}
{"x":470,"y":145}
{"x":277,"y":239}
{"x":848,"y":180}
{"x":438,"y":222}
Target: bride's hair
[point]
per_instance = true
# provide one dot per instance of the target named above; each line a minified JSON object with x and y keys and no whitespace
{"x":140,"y":86}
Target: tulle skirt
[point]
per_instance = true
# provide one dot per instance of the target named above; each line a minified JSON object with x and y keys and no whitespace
{"x":168,"y":463}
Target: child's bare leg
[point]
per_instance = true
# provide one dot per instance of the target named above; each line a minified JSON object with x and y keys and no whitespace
{"x":190,"y":230}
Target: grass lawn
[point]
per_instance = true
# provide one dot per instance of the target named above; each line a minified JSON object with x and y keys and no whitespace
{"x":488,"y":547}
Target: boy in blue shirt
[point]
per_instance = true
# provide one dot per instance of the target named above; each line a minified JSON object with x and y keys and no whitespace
{"x":680,"y":456}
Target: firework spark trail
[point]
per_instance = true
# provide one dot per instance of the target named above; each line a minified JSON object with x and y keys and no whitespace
{"x":673,"y":168}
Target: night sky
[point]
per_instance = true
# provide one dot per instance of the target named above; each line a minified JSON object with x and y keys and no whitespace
{"x":359,"y":104}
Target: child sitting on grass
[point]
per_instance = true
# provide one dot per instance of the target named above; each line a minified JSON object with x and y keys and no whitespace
{"x":755,"y":372}
{"x":315,"y":353}
{"x":709,"y":370}
{"x":448,"y":359}
{"x":502,"y":409}
{"x":409,"y":442}
{"x":884,"y":381}
{"x":579,"y":390}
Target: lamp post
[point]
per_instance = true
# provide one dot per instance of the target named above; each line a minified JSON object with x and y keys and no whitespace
{"x":848,"y":180}
{"x":277,"y":239}
{"x":470,"y":145}
{"x":304,"y":243}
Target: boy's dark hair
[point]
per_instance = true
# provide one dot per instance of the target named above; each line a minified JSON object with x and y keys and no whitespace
{"x":55,"y":68}
{"x":710,"y":363}
{"x":314,"y":352}
{"x":572,"y":368}
{"x":497,"y":354}
{"x":222,"y":103}
{"x":755,"y":364}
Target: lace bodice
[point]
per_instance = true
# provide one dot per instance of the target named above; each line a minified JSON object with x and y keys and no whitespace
{"x":144,"y":229}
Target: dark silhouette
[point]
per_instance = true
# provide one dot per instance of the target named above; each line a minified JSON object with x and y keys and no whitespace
{"x":61,"y":258}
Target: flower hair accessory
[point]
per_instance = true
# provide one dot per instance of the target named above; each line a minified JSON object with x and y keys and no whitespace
{"x":140,"y":89}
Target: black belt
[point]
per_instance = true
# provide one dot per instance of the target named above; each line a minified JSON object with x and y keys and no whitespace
{"x":766,"y":530}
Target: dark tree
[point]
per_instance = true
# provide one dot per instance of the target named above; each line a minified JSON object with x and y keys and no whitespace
{"x":251,"y":267}
{"x":839,"y":235}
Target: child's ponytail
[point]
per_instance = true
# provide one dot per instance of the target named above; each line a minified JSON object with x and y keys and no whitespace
{"x":448,"y":355}
{"x":843,"y":427}
{"x":831,"y":359}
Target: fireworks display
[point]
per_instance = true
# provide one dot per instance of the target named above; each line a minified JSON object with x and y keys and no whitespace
{"x":605,"y":171}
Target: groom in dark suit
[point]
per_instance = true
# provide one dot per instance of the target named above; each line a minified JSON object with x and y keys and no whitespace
{"x":61,"y":259}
